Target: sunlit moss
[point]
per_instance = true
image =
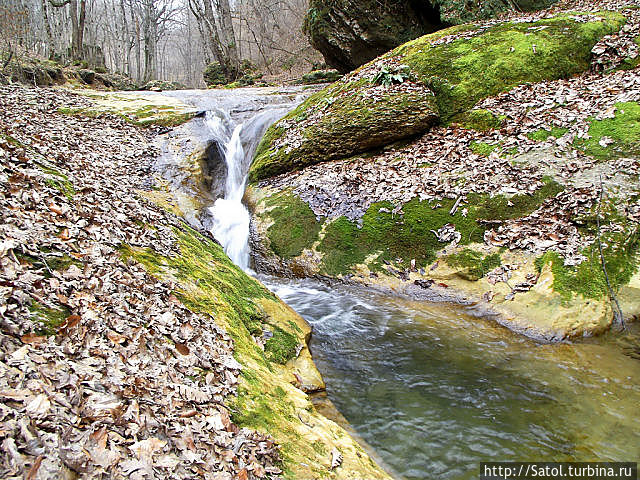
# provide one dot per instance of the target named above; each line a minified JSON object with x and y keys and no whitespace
{"x":400,"y":238}
{"x":478,"y":119}
{"x":475,"y":263}
{"x":622,"y":134}
{"x":48,"y":320}
{"x":543,"y":134}
{"x":588,"y":279}
{"x":294,"y":228}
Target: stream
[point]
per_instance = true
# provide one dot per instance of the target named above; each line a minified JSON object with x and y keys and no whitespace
{"x":431,"y":388}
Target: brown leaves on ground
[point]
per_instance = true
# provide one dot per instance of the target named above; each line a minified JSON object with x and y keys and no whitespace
{"x":442,"y":164}
{"x":121,"y":380}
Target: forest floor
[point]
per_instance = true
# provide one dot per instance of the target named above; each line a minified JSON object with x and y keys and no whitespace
{"x":96,"y":374}
{"x":581,"y":132}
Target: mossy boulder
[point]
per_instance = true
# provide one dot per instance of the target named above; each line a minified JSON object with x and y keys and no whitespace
{"x":346,"y":118}
{"x":34,"y":71}
{"x":320,"y":76}
{"x":140,"y":109}
{"x":159,"y":85}
{"x":349,"y":34}
{"x":437,"y":77}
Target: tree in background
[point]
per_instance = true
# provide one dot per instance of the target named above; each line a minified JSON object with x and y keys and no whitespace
{"x":168,"y":39}
{"x":216,"y":29}
{"x":78,"y":14}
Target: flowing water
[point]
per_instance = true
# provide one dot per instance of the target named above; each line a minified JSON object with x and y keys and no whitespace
{"x":434,"y":389}
{"x":234,"y":122}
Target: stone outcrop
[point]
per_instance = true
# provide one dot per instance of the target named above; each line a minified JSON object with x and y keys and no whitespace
{"x":522,"y":201}
{"x":433,"y":78}
{"x":349,"y":34}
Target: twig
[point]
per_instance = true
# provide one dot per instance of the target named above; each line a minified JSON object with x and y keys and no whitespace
{"x":454,"y":209}
{"x":617,"y":311}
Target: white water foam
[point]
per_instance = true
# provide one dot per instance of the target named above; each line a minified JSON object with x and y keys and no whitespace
{"x":231,"y":219}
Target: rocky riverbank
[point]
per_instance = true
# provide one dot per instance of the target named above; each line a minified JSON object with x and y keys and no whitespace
{"x":130,"y":346}
{"x":522,"y":195}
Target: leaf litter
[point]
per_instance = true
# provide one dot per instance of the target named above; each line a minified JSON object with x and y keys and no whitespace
{"x":104,"y":372}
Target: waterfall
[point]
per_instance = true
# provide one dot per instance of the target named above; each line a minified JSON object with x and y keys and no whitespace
{"x":237,"y":143}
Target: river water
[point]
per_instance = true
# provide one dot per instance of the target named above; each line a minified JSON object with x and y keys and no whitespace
{"x":433,"y":389}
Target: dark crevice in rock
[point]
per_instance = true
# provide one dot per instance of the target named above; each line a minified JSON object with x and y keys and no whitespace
{"x":215,"y":169}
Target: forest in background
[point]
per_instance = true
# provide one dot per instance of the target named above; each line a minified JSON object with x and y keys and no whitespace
{"x":172,"y":40}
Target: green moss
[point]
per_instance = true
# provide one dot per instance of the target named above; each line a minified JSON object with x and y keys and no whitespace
{"x":48,"y":319}
{"x":498,"y":208}
{"x":542,"y":134}
{"x":619,"y":247}
{"x":482,"y":148}
{"x":630,"y":63}
{"x":294,"y":227}
{"x":55,"y":261}
{"x":142,"y":117}
{"x":465,"y":71}
{"x":59,"y":181}
{"x":216,"y":286}
{"x":479,"y":119}
{"x":405,"y":237}
{"x":477,"y":265}
{"x":410,"y":236}
{"x":264,"y":412}
{"x":281,"y":347}
{"x":319,"y":447}
{"x":623,"y":130}
{"x":588,"y":279}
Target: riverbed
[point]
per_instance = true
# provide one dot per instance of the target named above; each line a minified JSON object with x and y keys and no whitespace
{"x":434,"y":390}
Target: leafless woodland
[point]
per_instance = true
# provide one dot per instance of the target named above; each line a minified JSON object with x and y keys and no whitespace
{"x":160,"y":39}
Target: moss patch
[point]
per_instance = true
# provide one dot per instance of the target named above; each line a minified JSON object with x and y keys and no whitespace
{"x":620,"y":251}
{"x":281,"y":347}
{"x":475,"y":263}
{"x":211,"y":284}
{"x":410,"y":236}
{"x":48,"y":319}
{"x":498,"y":207}
{"x":480,"y":120}
{"x":621,"y":134}
{"x":543,"y":134}
{"x":59,"y":181}
{"x":294,"y":228}
{"x":482,"y":148}
{"x":465,"y":71}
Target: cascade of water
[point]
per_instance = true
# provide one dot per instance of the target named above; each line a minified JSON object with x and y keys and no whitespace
{"x":231,"y":219}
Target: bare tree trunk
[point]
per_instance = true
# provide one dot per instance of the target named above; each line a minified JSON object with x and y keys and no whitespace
{"x":47,"y":28}
{"x":228,"y":37}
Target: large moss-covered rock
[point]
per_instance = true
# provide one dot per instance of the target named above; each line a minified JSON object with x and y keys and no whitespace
{"x":349,"y":34}
{"x":439,"y":75}
{"x":348,"y":117}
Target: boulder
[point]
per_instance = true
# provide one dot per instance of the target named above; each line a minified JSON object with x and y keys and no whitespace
{"x":87,"y":76}
{"x":349,"y":34}
{"x":434,"y":78}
